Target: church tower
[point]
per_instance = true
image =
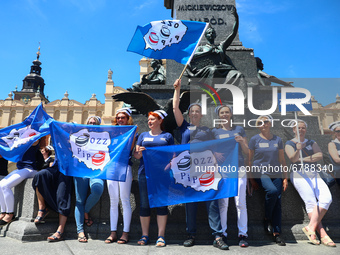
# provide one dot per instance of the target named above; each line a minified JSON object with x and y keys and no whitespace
{"x":33,"y":84}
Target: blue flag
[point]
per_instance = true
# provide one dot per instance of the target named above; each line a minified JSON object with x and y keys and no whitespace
{"x":168,"y":39}
{"x":16,"y":139}
{"x":92,"y":151}
{"x":191,"y":172}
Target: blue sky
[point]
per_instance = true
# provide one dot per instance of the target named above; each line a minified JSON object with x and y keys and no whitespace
{"x":82,"y":39}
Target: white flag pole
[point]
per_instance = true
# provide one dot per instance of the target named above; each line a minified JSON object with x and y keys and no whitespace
{"x":298,"y":137}
{"x":192,"y":54}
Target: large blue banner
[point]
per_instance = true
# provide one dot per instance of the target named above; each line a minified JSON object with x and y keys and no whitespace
{"x":92,"y":151}
{"x":191,"y":172}
{"x":168,"y":39}
{"x":16,"y":139}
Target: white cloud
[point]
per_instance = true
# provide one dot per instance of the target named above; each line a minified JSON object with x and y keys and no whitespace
{"x":144,"y":4}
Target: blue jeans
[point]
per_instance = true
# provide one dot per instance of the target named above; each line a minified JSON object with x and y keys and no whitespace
{"x":213,"y":216}
{"x":84,"y":203}
{"x":144,"y":199}
{"x":273,"y":189}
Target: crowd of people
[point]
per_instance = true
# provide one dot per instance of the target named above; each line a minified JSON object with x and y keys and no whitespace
{"x":53,"y":189}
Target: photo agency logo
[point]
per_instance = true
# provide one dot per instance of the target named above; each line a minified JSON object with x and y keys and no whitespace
{"x":291,"y":99}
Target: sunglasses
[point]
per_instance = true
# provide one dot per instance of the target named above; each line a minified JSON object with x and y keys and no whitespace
{"x":337,"y":131}
{"x":120,"y":118}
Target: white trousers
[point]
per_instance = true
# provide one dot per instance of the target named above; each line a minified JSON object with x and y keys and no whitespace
{"x":122,"y":190}
{"x":312,"y":189}
{"x":2,"y":209}
{"x":6,"y":185}
{"x":241,"y":207}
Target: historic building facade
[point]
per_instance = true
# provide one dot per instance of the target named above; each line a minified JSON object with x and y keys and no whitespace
{"x":326,"y":114}
{"x":15,"y":109}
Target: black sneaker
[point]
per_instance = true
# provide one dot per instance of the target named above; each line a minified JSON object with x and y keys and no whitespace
{"x":279,"y":241}
{"x":242,"y":241}
{"x":219,"y":243}
{"x":189,"y":242}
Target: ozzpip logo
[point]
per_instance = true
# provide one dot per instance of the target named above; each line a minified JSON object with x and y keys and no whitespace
{"x":238,"y":100}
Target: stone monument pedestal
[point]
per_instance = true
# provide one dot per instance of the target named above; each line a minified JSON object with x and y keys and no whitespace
{"x":294,"y":218}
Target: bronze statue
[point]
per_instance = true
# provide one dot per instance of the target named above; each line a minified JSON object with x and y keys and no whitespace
{"x":266,"y":79}
{"x":211,"y":61}
{"x":156,"y":76}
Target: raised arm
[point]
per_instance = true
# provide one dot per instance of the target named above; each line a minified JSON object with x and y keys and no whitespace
{"x":225,"y":44}
{"x":175,"y":103}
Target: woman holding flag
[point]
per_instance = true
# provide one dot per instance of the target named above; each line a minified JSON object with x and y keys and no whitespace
{"x":155,"y":137}
{"x":304,"y":154}
{"x":266,"y":157}
{"x":85,"y":203}
{"x":121,"y":189}
{"x":191,"y":133}
{"x":225,"y":130}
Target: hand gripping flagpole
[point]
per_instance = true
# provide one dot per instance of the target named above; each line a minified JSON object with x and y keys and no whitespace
{"x":298,"y":137}
{"x":192,"y":54}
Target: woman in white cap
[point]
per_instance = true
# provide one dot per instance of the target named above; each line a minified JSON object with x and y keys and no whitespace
{"x":121,"y":190}
{"x":334,"y":150}
{"x":47,"y":152}
{"x":85,"y":203}
{"x":191,"y":133}
{"x":308,"y":183}
{"x":225,"y":130}
{"x":266,"y":158}
{"x":155,"y":137}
